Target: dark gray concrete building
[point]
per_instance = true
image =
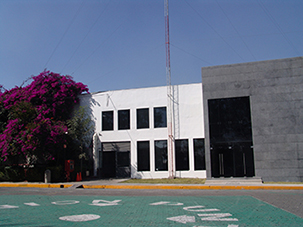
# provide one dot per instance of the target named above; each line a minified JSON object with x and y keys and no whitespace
{"x":253,"y":115}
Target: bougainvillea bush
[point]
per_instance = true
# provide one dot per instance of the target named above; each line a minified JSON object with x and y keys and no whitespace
{"x":33,"y":119}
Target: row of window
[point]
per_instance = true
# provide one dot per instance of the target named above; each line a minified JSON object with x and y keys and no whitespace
{"x":181,"y":155}
{"x":142,"y":117}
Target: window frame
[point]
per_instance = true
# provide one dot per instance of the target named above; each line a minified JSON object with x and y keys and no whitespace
{"x":143,"y":165}
{"x":141,"y":125}
{"x":163,"y":123}
{"x":199,"y":157}
{"x":182,"y":156}
{"x":122,"y":123}
{"x":104,"y":123}
{"x":157,"y":155}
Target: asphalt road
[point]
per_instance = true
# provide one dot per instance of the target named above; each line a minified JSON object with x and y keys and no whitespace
{"x":249,"y":207}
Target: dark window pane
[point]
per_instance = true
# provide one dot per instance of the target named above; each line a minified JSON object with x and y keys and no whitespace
{"x":142,"y":118}
{"x":115,"y":159}
{"x":181,"y":150}
{"x":123,"y":159}
{"x":123,"y":119}
{"x":160,"y":117}
{"x":143,"y":155}
{"x":199,"y":153}
{"x":107,"y":120}
{"x":229,"y":119}
{"x":161,"y":155}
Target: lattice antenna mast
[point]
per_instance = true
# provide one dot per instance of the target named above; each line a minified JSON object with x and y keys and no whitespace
{"x":170,"y":144}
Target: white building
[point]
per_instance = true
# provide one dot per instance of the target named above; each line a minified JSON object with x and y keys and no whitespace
{"x":247,"y":122}
{"x":131,"y":132}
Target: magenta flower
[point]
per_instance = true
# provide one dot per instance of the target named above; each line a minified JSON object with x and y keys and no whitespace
{"x":37,"y":114}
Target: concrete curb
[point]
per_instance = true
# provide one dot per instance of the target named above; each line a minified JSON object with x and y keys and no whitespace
{"x":195,"y":187}
{"x":30,"y":185}
{"x":159,"y":187}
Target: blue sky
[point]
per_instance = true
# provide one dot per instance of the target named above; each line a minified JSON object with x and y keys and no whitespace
{"x":120,"y":44}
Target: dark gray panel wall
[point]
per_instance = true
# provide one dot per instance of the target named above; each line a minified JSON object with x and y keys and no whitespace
{"x":276,"y":95}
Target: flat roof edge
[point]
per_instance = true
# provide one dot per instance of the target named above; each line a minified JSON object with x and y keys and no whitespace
{"x":251,"y":62}
{"x":100,"y":92}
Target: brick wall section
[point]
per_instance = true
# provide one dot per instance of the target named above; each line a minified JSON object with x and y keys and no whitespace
{"x":275,"y":89}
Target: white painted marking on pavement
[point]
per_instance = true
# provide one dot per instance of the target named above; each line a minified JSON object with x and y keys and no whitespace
{"x":166,"y":203}
{"x":201,"y":226}
{"x":66,"y":202}
{"x":195,"y":209}
{"x":183,"y":219}
{"x":80,"y":218}
{"x":32,"y":204}
{"x":210,"y":226}
{"x":217,"y":217}
{"x":8,"y":207}
{"x":102,"y":203}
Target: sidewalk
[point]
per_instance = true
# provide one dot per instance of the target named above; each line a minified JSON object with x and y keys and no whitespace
{"x":118,"y":184}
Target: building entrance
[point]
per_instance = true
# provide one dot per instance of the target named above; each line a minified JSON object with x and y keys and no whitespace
{"x":115,"y":159}
{"x":232,"y":160}
{"x":231,"y":145}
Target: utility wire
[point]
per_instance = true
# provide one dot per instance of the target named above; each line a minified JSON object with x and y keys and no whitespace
{"x":191,"y":54}
{"x":97,"y":48}
{"x":105,"y":74}
{"x":115,"y":69}
{"x":68,"y":27}
{"x":236,"y":31}
{"x":85,"y":37}
{"x":278,"y":27}
{"x":214,"y":30}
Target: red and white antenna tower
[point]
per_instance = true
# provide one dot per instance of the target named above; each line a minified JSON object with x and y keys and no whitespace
{"x":170,"y":144}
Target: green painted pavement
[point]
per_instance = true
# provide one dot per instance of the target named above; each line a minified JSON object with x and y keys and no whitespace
{"x":232,"y":211}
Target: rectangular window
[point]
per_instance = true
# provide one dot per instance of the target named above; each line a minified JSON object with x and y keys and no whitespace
{"x":123,"y":119}
{"x":199,"y":154}
{"x":161,"y":155}
{"x":123,"y":159}
{"x":160,"y":120}
{"x":143,"y":156}
{"x":142,"y":118}
{"x":107,"y":120}
{"x":181,"y":150}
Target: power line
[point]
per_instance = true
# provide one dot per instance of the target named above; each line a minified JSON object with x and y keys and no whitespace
{"x":205,"y":21}
{"x":105,"y":74}
{"x":278,"y":27}
{"x":68,"y":27}
{"x":236,"y":31}
{"x":97,"y":48}
{"x":191,"y":54}
{"x":85,"y":36}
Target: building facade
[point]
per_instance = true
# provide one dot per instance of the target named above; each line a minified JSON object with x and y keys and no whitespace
{"x":253,"y":114}
{"x":131,"y":132}
{"x":243,"y":120}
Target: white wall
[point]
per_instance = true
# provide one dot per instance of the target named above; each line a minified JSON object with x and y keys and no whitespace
{"x":188,"y":121}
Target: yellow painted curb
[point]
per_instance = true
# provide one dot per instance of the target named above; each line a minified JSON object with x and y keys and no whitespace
{"x":161,"y":187}
{"x":194,"y":187}
{"x":35,"y":185}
